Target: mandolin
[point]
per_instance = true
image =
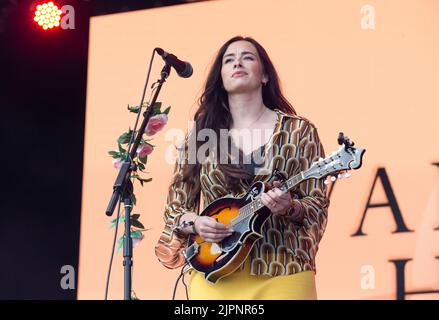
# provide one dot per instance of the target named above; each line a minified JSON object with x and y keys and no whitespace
{"x":246,"y":215}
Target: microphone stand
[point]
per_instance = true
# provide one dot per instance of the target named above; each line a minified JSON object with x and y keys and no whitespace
{"x":123,"y":187}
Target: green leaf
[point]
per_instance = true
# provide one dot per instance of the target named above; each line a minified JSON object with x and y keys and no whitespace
{"x":167,"y":110}
{"x":135,"y":176}
{"x":142,"y":180}
{"x":113,"y":222}
{"x":143,"y":159}
{"x":121,"y":149}
{"x":133,"y":199}
{"x":114,"y":154}
{"x":125,"y":137}
{"x":136,"y":234}
{"x":156,"y":108}
{"x":137,"y":224}
{"x":146,"y":180}
{"x":134,"y":218}
{"x":134,"y":109}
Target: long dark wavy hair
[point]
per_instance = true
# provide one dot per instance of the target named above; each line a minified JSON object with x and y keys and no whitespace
{"x":214,"y":113}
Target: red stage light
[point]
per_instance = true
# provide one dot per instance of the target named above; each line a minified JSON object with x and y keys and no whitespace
{"x":47,"y":15}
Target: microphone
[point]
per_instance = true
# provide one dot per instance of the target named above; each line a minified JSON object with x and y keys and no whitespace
{"x":183,"y":68}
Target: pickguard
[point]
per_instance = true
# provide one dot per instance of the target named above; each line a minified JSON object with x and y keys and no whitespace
{"x":229,"y":243}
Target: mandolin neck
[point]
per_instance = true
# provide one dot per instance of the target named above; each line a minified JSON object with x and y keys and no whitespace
{"x":257,"y":204}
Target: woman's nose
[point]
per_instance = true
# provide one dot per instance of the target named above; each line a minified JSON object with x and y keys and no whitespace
{"x":237,"y":63}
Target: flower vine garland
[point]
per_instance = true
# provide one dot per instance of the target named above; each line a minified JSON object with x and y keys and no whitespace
{"x":156,"y":123}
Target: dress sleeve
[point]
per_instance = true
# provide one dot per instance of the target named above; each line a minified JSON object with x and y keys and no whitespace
{"x":312,"y":193}
{"x":170,"y":245}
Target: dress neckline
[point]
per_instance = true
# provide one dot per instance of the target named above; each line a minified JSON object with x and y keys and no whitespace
{"x":270,"y":140}
{"x":269,"y":144}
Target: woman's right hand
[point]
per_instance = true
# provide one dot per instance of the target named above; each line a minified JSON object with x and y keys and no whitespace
{"x":210,"y":230}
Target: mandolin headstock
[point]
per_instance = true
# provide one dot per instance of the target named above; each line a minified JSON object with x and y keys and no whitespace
{"x":344,"y":159}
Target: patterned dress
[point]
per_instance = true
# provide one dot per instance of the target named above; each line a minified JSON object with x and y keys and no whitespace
{"x":288,"y":247}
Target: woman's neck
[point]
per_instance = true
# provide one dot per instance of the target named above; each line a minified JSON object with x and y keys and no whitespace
{"x":245,"y":108}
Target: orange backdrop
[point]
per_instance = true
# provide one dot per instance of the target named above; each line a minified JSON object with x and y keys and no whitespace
{"x":375,"y":84}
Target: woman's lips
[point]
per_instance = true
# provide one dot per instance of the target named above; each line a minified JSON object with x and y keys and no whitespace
{"x":239,"y":74}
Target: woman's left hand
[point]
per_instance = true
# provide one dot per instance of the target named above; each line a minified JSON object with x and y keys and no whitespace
{"x":277,"y":200}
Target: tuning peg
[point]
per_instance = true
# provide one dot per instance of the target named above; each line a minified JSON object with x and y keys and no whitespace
{"x":326,"y":182}
{"x":333,"y":178}
{"x":320,"y":159}
{"x":339,"y":176}
{"x":340,"y":138}
{"x":347,"y":175}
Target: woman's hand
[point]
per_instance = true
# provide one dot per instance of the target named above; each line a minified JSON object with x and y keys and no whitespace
{"x":279,"y":202}
{"x":210,"y":230}
{"x":276,"y":200}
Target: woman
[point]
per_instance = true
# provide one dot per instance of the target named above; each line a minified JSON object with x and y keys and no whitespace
{"x":243,"y":92}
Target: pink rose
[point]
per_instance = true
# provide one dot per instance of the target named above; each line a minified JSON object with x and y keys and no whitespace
{"x":155,"y":124}
{"x":117,"y":163}
{"x":136,"y":241}
{"x":144,"y":150}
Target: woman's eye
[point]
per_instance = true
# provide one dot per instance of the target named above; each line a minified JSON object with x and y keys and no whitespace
{"x":248,"y":57}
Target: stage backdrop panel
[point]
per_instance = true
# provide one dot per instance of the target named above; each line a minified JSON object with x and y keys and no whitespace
{"x":375,"y":84}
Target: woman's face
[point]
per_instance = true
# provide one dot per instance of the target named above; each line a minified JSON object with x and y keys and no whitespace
{"x":242,"y":69}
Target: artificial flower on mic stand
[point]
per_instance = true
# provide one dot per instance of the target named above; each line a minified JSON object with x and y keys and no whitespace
{"x":156,"y":123}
